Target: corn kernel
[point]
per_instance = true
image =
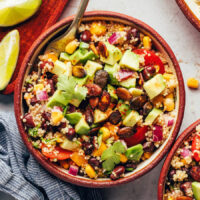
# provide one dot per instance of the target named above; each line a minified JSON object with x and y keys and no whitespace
{"x":146,"y":155}
{"x":71,"y":47}
{"x":64,"y":164}
{"x":38,"y":87}
{"x":169,"y":103}
{"x":56,"y":117}
{"x":90,"y":171}
{"x":193,"y":83}
{"x":97,"y":29}
{"x":123,"y":158}
{"x":98,"y":152}
{"x":105,"y":133}
{"x":167,"y":76}
{"x":147,"y":42}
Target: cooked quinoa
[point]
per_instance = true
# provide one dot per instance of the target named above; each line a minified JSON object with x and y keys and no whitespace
{"x":183,"y":180}
{"x":104,"y":105}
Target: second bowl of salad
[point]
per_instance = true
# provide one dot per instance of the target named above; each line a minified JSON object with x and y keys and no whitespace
{"x":105,"y":111}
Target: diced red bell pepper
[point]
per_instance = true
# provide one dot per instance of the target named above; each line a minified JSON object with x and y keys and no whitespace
{"x":138,"y":137}
{"x":57,"y":153}
{"x":196,"y":148}
{"x":151,"y":59}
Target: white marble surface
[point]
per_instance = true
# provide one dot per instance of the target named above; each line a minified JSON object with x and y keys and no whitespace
{"x":184,"y":39}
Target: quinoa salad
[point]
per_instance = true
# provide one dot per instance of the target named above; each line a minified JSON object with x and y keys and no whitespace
{"x":183,"y":180}
{"x":104,"y":105}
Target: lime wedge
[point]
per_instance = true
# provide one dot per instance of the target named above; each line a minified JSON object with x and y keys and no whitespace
{"x":13,"y":12}
{"x":9,"y":51}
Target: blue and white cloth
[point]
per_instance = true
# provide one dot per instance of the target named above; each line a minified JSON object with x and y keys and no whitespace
{"x":23,"y":178}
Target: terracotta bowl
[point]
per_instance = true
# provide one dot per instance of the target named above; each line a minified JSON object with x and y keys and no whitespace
{"x":191,"y":10}
{"x":163,"y":175}
{"x":31,"y":57}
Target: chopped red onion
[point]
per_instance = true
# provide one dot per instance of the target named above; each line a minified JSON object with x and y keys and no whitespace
{"x":170,"y":122}
{"x":124,"y":74}
{"x":157,"y":133}
{"x":73,"y":170}
{"x":58,"y":108}
{"x":42,"y":95}
{"x":186,"y":152}
{"x":113,"y":39}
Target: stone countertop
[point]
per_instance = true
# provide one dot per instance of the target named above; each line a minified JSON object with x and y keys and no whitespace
{"x":167,"y":19}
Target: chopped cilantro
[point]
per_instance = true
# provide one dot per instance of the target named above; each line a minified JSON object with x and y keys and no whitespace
{"x":33,"y":132}
{"x":111,"y":156}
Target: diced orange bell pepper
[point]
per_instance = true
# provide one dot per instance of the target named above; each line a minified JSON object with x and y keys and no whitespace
{"x":98,"y":152}
{"x":113,"y":129}
{"x":78,"y":159}
{"x":123,"y":158}
{"x":64,"y":164}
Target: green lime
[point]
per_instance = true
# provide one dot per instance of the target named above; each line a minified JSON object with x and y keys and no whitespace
{"x":9,"y":51}
{"x":13,"y":12}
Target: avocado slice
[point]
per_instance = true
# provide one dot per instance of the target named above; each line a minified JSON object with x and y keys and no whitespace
{"x":81,"y":81}
{"x":88,"y":56}
{"x":129,"y":83}
{"x":77,"y":56}
{"x":152,"y":116}
{"x":196,"y":190}
{"x":131,"y":119}
{"x":136,"y":92}
{"x":84,"y":45}
{"x":123,"y":108}
{"x":91,"y":67}
{"x":135,"y":153}
{"x":82,"y":127}
{"x":114,"y":56}
{"x":64,"y":57}
{"x":99,"y":116}
{"x":70,"y":145}
{"x":112,"y":92}
{"x":154,"y":86}
{"x":74,"y":118}
{"x":130,"y":60}
{"x":59,"y":68}
{"x":57,"y":100}
{"x":112,"y":71}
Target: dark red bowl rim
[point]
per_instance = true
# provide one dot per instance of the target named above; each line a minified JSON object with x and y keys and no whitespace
{"x":163,"y":174}
{"x":82,"y":181}
{"x":189,"y":14}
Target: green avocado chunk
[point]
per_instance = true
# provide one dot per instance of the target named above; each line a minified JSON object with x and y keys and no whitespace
{"x":99,"y":116}
{"x":91,"y":67}
{"x":74,"y":118}
{"x":64,"y":57}
{"x":130,"y":60}
{"x":155,"y":86}
{"x":114,"y":56}
{"x":129,"y":83}
{"x":135,"y":153}
{"x":196,"y":190}
{"x":111,"y":91}
{"x":57,"y":99}
{"x":70,"y":145}
{"x":123,"y":108}
{"x":59,"y":68}
{"x":152,"y":116}
{"x":84,"y":45}
{"x":88,"y":56}
{"x":131,"y":119}
{"x":82,"y":127}
{"x":112,"y":71}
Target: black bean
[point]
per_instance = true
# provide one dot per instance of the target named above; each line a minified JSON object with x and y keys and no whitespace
{"x":115,"y":117}
{"x":52,"y":87}
{"x":28,"y":120}
{"x":138,"y":102}
{"x":86,"y":36}
{"x":46,"y":116}
{"x":148,"y":72}
{"x":195,"y":173}
{"x":89,"y":116}
{"x":147,"y":108}
{"x":186,"y":187}
{"x":171,"y":174}
{"x":117,"y":172}
{"x":148,"y":147}
{"x":125,"y":132}
{"x":33,"y":101}
{"x":94,"y":162}
{"x":101,"y":78}
{"x":134,"y":36}
{"x":88,"y":147}
{"x":71,"y":134}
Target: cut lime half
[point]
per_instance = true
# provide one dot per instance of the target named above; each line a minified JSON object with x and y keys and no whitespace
{"x":13,"y":12}
{"x":9,"y":51}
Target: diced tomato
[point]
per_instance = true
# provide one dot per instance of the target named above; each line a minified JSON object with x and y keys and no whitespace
{"x":151,"y":59}
{"x":196,"y":148}
{"x":138,"y":137}
{"x":124,"y":74}
{"x":57,"y":153}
